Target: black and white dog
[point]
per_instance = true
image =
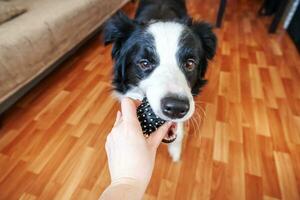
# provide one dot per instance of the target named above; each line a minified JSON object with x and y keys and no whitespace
{"x":162,"y":54}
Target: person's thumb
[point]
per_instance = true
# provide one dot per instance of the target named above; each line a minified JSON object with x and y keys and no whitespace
{"x":128,"y":108}
{"x":156,"y":137}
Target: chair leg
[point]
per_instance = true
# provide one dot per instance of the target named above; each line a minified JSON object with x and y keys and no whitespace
{"x":278,"y":16}
{"x":261,"y":9}
{"x":1,"y":121}
{"x":221,"y":13}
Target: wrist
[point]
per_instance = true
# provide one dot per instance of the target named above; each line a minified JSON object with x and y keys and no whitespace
{"x":135,"y":183}
{"x":124,"y":188}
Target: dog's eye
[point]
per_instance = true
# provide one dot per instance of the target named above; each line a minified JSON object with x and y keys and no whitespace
{"x":144,"y":64}
{"x":190,"y":64}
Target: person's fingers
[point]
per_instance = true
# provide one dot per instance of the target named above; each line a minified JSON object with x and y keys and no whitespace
{"x":156,"y":137}
{"x":118,"y":118}
{"x":137,"y":102}
{"x":107,"y":142}
{"x":108,"y":150}
{"x":128,"y":110}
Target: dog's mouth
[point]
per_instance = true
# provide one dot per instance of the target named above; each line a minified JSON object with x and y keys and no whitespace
{"x":150,"y":121}
{"x":171,"y":135}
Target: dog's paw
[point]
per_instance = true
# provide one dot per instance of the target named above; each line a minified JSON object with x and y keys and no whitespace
{"x":175,"y":152}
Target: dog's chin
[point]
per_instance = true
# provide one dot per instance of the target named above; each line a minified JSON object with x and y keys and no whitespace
{"x":172,"y":135}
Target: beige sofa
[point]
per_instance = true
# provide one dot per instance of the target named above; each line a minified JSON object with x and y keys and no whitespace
{"x":31,"y":43}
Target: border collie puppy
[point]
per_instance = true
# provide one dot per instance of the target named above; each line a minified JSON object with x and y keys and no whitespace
{"x":163,"y":55}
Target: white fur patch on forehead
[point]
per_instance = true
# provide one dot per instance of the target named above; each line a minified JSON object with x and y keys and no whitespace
{"x":167,"y":37}
{"x":167,"y":78}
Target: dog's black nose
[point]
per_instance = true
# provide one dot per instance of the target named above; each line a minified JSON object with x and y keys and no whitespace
{"x":174,"y":107}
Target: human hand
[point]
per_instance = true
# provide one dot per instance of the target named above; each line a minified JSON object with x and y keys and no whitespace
{"x":131,"y":156}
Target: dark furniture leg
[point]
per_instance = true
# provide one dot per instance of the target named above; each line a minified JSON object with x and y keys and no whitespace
{"x":221,"y":13}
{"x":278,"y":16}
{"x":260,"y":11}
{"x":1,"y":121}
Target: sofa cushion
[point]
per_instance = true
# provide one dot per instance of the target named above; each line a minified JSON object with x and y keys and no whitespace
{"x":9,"y":10}
{"x":29,"y":44}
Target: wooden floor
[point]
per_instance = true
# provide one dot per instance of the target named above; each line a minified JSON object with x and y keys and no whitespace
{"x":248,"y":147}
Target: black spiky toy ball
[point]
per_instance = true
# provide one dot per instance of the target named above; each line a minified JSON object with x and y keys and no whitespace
{"x":148,"y":120}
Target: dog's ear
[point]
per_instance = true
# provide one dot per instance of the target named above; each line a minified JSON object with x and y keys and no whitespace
{"x":209,"y":40}
{"x":209,"y":43}
{"x":117,"y":30}
{"x":118,"y":27}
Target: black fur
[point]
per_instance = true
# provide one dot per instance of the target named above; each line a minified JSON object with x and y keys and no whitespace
{"x":128,"y":37}
{"x":132,"y":43}
{"x":117,"y":30}
{"x":160,"y":10}
{"x":209,"y":43}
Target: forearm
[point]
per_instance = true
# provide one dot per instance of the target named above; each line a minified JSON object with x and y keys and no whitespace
{"x":124,"y":189}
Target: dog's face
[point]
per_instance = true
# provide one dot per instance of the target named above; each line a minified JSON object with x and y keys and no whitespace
{"x":164,"y":61}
